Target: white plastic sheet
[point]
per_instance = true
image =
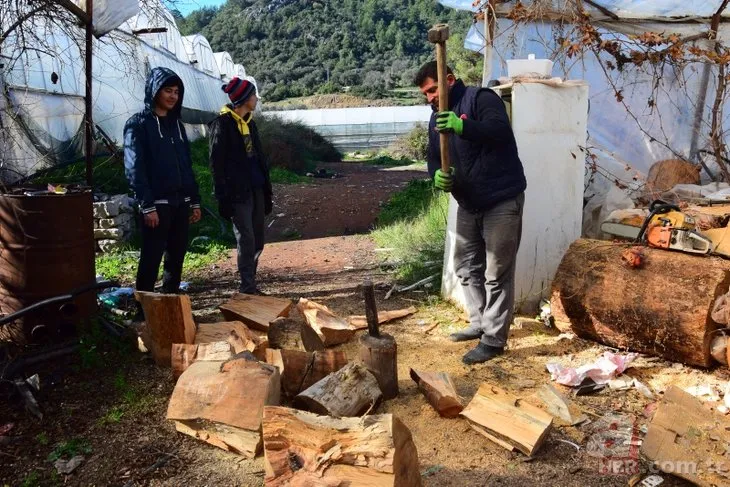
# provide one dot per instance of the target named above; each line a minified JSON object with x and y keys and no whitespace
{"x":110,"y":14}
{"x":601,"y":371}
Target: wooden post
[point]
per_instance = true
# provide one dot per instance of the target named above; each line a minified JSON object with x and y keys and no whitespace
{"x":378,"y":351}
{"x":89,"y":125}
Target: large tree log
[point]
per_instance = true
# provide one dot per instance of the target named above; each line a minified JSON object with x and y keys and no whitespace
{"x":662,"y":308}
{"x":351,"y":391}
{"x":255,"y":311}
{"x":288,"y":333}
{"x":440,"y":392}
{"x":237,"y":334}
{"x":303,"y":449}
{"x":169,"y":319}
{"x":299,"y":370}
{"x":380,"y":356}
{"x":331,"y":328}
{"x":222,"y":402}
{"x":508,"y":420}
{"x":185,"y":354}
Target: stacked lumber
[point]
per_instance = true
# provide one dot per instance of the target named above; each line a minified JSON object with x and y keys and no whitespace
{"x":507,"y":420}
{"x":168,"y":320}
{"x":222,"y":403}
{"x":662,"y":308}
{"x":255,"y":311}
{"x":305,"y":449}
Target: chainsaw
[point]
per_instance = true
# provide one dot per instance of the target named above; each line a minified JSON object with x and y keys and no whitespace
{"x":667,"y":227}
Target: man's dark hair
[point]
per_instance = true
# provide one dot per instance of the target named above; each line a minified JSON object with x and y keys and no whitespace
{"x":429,"y":70}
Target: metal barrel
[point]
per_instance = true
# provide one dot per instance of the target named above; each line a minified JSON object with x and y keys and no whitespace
{"x":46,"y":250}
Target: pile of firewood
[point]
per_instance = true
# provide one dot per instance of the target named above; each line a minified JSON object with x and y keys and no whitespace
{"x":233,"y":378}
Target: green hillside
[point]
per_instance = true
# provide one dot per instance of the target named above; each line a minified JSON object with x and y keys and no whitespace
{"x":302,"y":47}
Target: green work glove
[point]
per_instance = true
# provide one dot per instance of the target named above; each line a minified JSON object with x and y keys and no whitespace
{"x":449,"y":122}
{"x":444,"y":180}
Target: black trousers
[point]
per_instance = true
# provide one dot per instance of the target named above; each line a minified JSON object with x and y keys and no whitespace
{"x":170,"y":238}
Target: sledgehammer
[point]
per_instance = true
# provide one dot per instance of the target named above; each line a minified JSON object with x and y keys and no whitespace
{"x":438,"y":35}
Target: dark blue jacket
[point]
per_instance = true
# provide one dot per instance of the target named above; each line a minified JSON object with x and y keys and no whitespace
{"x":157,"y":158}
{"x":487,"y":169}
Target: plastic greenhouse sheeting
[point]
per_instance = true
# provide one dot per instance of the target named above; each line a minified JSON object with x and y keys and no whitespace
{"x":41,"y":114}
{"x":110,"y":14}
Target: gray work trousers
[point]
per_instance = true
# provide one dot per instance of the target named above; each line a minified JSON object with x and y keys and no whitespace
{"x":248,"y":227}
{"x":485,"y":255}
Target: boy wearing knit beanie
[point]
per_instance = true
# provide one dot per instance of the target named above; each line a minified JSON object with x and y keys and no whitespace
{"x":241,"y":176}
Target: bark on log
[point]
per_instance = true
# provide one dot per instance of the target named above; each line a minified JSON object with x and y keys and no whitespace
{"x":332,"y":329}
{"x":440,"y":392}
{"x":299,"y":370}
{"x":169,"y":319}
{"x":185,"y":354}
{"x":304,"y":449}
{"x":222,"y":402}
{"x":351,"y":391}
{"x":379,"y":354}
{"x":512,"y":421}
{"x":255,"y":311}
{"x":287,"y":333}
{"x":237,"y":334}
{"x":662,"y":308}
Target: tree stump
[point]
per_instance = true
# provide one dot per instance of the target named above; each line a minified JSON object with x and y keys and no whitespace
{"x":379,"y":354}
{"x":287,"y":333}
{"x":351,"y":391}
{"x":169,"y":319}
{"x":440,"y":392}
{"x":662,"y":308}
{"x":304,"y":449}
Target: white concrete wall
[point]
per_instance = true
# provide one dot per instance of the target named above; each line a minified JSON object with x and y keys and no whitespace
{"x":550,"y":127}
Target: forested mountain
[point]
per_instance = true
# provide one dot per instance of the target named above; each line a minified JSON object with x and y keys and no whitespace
{"x":301,"y":47}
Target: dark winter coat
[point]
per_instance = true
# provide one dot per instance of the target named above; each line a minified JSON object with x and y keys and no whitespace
{"x":231,"y":165}
{"x":157,"y":158}
{"x":487,"y":169}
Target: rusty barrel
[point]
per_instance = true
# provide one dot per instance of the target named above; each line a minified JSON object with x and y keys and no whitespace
{"x":46,"y":250}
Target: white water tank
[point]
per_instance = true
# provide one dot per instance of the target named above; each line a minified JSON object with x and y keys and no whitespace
{"x":529,"y":67}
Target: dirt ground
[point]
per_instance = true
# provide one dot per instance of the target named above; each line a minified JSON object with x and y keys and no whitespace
{"x":115,"y":404}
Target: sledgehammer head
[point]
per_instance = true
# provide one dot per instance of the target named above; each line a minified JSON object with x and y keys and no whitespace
{"x":438,"y":33}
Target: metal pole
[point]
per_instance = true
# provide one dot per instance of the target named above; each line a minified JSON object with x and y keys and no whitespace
{"x":88,"y":126}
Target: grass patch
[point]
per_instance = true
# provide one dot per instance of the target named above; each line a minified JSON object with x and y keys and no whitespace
{"x":69,"y":449}
{"x":281,"y":175}
{"x":413,"y":225}
{"x":133,"y":402}
{"x":32,"y":479}
{"x":42,"y":438}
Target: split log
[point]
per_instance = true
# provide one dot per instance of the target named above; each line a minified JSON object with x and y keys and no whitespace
{"x":253,"y":310}
{"x":380,"y":356}
{"x":222,"y":403}
{"x":440,"y":392}
{"x":237,"y":334}
{"x":305,"y":449}
{"x":299,"y":370}
{"x":287,"y":333}
{"x":332,"y":329}
{"x":169,"y":319}
{"x":662,"y":308}
{"x":185,"y":354}
{"x":512,"y":421}
{"x":360,"y":322}
{"x":351,"y":391}
{"x":688,"y":440}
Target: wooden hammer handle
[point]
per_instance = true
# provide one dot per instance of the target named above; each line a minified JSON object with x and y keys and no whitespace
{"x":443,"y":102}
